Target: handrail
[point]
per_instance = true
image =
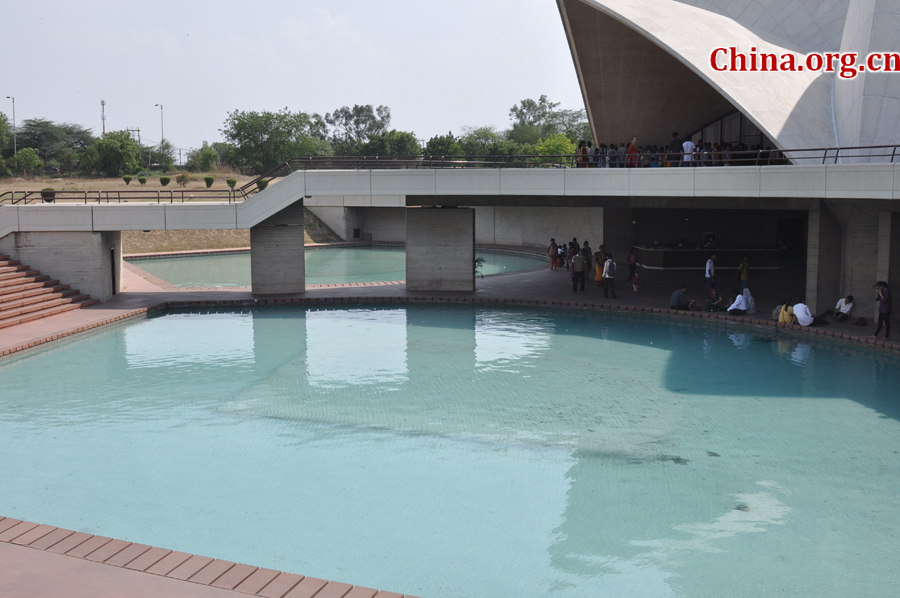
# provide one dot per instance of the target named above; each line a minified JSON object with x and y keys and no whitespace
{"x":775,"y":157}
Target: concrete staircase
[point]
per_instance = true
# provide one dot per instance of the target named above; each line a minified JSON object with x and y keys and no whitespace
{"x":27,"y":295}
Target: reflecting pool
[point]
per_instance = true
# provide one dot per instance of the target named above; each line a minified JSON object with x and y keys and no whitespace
{"x":331,"y":265}
{"x":457,"y":451}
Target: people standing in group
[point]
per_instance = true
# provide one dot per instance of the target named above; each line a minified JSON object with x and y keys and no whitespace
{"x":553,"y":253}
{"x":710,"y":272}
{"x":675,"y":149}
{"x":609,"y":277}
{"x":883,"y":297}
{"x":579,"y":265}
{"x":582,"y":154}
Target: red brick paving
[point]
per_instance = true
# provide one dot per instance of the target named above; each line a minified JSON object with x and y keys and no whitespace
{"x":57,"y":563}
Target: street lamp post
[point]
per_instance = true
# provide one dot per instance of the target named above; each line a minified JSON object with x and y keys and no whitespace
{"x":162,"y":133}
{"x":15,"y":148}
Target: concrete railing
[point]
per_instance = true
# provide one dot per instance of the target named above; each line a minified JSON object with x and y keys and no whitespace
{"x":390,"y":188}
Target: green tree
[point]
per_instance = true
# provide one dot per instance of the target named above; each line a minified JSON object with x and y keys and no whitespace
{"x":352,"y":128}
{"x":202,"y":160}
{"x":558,"y":145}
{"x":487,"y":141}
{"x":116,"y":152}
{"x":165,"y":155}
{"x":263,"y":140}
{"x":55,"y":142}
{"x":443,"y":145}
{"x":392,"y":143}
{"x":26,"y":161}
{"x":5,"y":133}
{"x":534,"y":120}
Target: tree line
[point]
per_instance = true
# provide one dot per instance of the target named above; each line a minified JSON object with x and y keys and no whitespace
{"x":253,"y":142}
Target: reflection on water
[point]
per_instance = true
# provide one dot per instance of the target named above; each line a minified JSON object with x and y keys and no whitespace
{"x":323,"y":266}
{"x":474,"y":452}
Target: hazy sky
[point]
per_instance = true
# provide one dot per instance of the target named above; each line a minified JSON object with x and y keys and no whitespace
{"x":437,"y":64}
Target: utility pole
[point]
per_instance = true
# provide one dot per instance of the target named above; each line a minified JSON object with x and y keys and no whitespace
{"x":103,"y":116}
{"x":162,"y":130}
{"x":15,"y":148}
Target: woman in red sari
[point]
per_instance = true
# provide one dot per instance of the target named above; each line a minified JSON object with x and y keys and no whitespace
{"x":632,"y":161}
{"x":582,"y":154}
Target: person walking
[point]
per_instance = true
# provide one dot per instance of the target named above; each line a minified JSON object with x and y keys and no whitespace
{"x":710,"y":272}
{"x":883,"y":296}
{"x":609,"y":277}
{"x":553,"y":254}
{"x":579,"y":265}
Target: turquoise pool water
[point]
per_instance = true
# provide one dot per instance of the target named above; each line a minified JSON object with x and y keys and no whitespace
{"x":444,"y":451}
{"x":323,"y":266}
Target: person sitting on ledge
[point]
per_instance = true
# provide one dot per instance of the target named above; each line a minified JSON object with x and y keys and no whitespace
{"x":841,"y":311}
{"x":739,"y":307}
{"x":714,"y":301}
{"x":804,"y":317}
{"x":782,"y":314}
{"x":677,"y":301}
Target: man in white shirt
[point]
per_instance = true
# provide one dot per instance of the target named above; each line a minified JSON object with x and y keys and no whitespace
{"x":710,"y":273}
{"x":688,"y":147}
{"x":739,"y":307}
{"x":803,"y":316}
{"x":609,"y":277}
{"x":841,"y":311}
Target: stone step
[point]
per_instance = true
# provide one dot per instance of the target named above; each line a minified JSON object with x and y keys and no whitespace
{"x":6,"y":269}
{"x":4,"y":257}
{"x":5,"y":263}
{"x":11,"y":305}
{"x":25,"y":293}
{"x":25,"y":273}
{"x":23,"y":287}
{"x":24,"y":311}
{"x":52,"y":311}
{"x":23,"y":280}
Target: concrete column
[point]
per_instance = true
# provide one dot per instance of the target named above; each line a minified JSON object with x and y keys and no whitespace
{"x":823,"y":258}
{"x":88,"y":261}
{"x":440,"y":249}
{"x":277,"y":253}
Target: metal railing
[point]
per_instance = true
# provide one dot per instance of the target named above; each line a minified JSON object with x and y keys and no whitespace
{"x":661,"y":159}
{"x":120,"y":196}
